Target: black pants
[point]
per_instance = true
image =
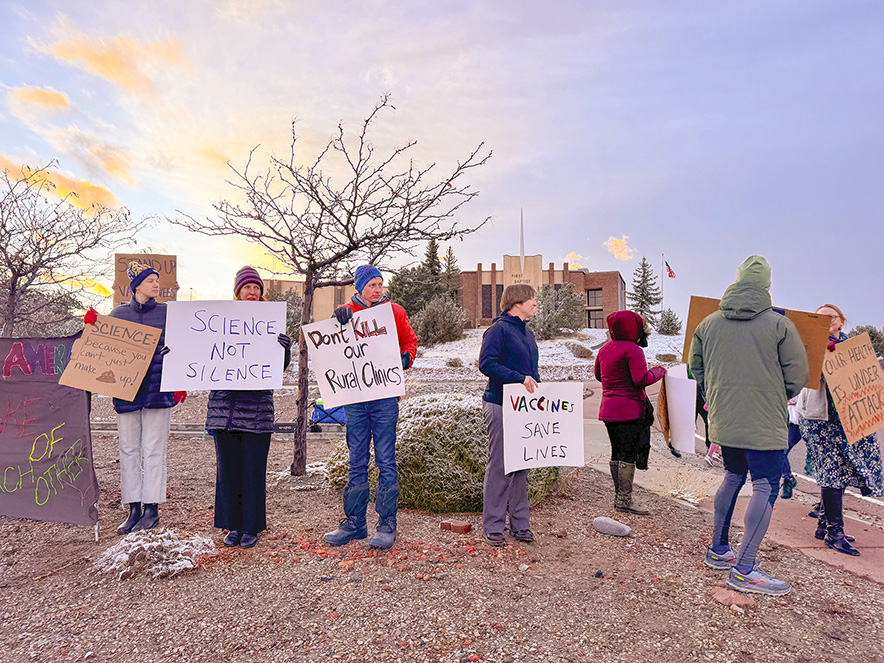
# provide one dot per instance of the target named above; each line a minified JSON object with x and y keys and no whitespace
{"x":241,"y":484}
{"x":630,"y":441}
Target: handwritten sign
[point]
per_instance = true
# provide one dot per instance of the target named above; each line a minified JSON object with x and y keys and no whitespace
{"x":813,"y":328}
{"x":359,"y":361}
{"x":223,"y":345}
{"x":46,"y":470}
{"x":111,"y":357}
{"x":166,"y":266}
{"x":857,"y":386}
{"x":542,"y":429}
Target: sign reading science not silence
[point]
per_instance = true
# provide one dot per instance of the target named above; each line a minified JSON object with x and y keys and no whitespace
{"x":359,"y":361}
{"x":543,"y":429}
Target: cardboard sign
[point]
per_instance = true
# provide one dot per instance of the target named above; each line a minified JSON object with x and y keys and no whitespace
{"x":856,"y":383}
{"x":166,"y":266}
{"x":223,"y":345}
{"x":813,"y":328}
{"x":543,"y":429}
{"x":46,"y":470}
{"x":111,"y":357}
{"x":359,"y":361}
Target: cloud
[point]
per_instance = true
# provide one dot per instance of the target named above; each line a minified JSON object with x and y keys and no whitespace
{"x":41,"y":97}
{"x":574,"y":259}
{"x":619,"y":248}
{"x":80,"y":193}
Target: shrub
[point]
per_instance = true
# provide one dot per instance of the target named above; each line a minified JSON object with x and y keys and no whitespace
{"x":441,"y":453}
{"x":557,"y":310}
{"x":580,"y":351}
{"x":453,"y":362}
{"x":440,"y":321}
{"x":667,"y":357}
{"x":669,"y":324}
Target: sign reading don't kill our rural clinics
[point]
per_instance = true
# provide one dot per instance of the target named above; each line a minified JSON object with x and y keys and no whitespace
{"x":359,"y":361}
{"x":543,"y":429}
{"x":223,"y":345}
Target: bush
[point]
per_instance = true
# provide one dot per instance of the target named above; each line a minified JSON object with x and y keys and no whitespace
{"x":580,"y":351}
{"x":453,"y":362}
{"x":669,"y":324}
{"x":557,"y":310}
{"x":440,"y":321}
{"x":441,"y":453}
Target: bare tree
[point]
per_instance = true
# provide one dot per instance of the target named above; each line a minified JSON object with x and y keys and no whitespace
{"x":51,"y":252}
{"x":320,"y":229}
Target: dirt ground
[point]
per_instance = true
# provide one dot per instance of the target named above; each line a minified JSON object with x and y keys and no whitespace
{"x":574,"y":595}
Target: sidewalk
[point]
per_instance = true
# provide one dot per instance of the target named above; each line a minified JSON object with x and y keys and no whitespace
{"x":790,"y":526}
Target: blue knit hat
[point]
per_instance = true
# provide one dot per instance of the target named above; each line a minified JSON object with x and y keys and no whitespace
{"x":364,"y":274}
{"x":137,"y":272}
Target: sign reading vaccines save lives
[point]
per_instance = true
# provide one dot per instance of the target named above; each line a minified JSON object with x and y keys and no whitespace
{"x":223,"y":345}
{"x":359,"y":361}
{"x":542,"y":429}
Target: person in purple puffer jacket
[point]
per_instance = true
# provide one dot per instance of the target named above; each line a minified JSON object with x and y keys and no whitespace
{"x":625,"y":409}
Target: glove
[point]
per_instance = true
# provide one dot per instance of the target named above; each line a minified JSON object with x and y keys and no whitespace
{"x":90,"y":317}
{"x":164,"y":350}
{"x":406,"y":359}
{"x":284,"y":341}
{"x":179,"y":397}
{"x":658,"y":372}
{"x":343,"y":314}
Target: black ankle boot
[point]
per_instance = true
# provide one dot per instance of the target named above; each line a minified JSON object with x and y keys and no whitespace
{"x":836,"y":540}
{"x":134,"y":516}
{"x":150,"y":518}
{"x":833,"y":511}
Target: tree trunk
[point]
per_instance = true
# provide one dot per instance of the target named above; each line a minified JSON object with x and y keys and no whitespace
{"x":299,"y":460}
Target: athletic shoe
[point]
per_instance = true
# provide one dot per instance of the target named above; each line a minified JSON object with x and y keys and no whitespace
{"x":757,"y":582}
{"x":789,"y":484}
{"x":720,"y":561}
{"x":523,"y":535}
{"x":495,"y":539}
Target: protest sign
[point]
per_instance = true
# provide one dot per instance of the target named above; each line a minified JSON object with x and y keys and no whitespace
{"x":681,"y":408}
{"x":46,"y":470}
{"x":359,"y":361}
{"x":166,"y":266}
{"x":856,"y":383}
{"x":813,"y":329}
{"x":111,"y":357}
{"x":543,"y":429}
{"x":223,"y":345}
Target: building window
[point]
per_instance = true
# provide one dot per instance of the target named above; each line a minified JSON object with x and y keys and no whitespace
{"x":595,"y":298}
{"x":486,"y":301}
{"x":499,"y":288}
{"x":595,"y":319}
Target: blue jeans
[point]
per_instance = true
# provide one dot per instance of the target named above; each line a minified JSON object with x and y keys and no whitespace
{"x":794,"y":438}
{"x":377,"y":420}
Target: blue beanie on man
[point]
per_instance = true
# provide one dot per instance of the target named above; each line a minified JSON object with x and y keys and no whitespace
{"x":364,"y":274}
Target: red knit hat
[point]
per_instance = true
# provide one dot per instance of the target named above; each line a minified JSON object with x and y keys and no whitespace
{"x":247,"y":275}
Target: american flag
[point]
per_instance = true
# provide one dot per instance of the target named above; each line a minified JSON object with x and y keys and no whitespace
{"x":669,"y":272}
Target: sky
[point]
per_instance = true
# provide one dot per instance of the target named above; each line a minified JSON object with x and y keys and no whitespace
{"x":707,"y":132}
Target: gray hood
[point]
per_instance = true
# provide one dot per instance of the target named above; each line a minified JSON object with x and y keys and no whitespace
{"x":749,"y":295}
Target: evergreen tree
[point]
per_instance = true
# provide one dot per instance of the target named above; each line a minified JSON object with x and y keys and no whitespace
{"x":451,"y":273}
{"x":645,"y":293}
{"x":431,"y":259}
{"x":877,"y":336}
{"x":669,"y":324}
{"x":557,"y":310}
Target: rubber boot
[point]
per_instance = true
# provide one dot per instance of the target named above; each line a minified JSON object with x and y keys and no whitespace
{"x":149,"y":519}
{"x":386,"y":503}
{"x":625,"y":503}
{"x":130,"y":522}
{"x":615,"y":471}
{"x":833,"y":506}
{"x":353,"y":526}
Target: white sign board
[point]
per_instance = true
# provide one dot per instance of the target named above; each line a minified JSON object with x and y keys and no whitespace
{"x":359,"y":361}
{"x":681,"y":402}
{"x":543,"y":429}
{"x":223,"y":345}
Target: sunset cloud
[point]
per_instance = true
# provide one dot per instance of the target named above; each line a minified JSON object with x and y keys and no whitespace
{"x":619,"y":248}
{"x":41,"y":97}
{"x":574,"y":259}
{"x":80,"y":193}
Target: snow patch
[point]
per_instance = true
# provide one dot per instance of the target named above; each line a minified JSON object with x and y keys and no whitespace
{"x":161,"y":553}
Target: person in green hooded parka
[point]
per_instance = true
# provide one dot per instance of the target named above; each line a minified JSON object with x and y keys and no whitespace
{"x":748,"y":361}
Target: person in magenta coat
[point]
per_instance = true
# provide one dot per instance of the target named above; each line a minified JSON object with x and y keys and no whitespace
{"x":625,"y":409}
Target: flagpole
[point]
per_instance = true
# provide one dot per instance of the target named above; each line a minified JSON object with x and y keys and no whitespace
{"x":662,"y":271}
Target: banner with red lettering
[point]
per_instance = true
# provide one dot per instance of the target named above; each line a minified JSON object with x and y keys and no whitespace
{"x":46,"y":470}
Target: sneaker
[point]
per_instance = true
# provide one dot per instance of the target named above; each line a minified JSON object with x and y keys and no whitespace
{"x":720,"y":561}
{"x":708,"y":460}
{"x":789,"y":484}
{"x":757,"y":582}
{"x":523,"y":535}
{"x":495,"y":539}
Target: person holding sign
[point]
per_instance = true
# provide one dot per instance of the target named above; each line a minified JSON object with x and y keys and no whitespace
{"x":241,"y":423}
{"x":508,"y":356}
{"x":372,"y":420}
{"x":838,"y":464}
{"x":625,"y":409}
{"x":748,"y":360}
{"x":143,"y":423}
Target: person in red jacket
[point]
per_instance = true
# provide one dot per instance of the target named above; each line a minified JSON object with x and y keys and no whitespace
{"x":625,"y":409}
{"x":372,"y":420}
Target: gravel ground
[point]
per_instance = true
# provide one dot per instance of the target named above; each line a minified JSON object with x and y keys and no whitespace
{"x":575,"y":595}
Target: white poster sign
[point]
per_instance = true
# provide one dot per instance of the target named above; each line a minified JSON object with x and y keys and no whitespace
{"x":359,"y":361}
{"x":542,"y":429}
{"x":223,"y":345}
{"x":681,"y":402}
